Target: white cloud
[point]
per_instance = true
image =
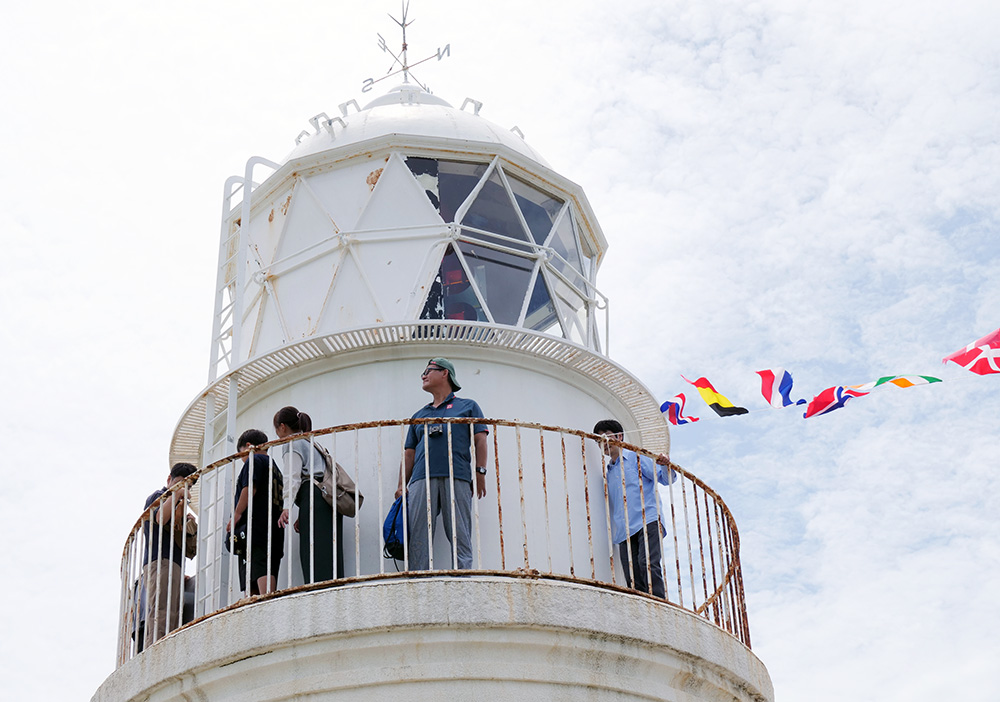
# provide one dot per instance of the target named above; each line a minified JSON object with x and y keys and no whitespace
{"x":804,"y":185}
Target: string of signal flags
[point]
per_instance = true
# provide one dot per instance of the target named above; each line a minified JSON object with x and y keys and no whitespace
{"x":981,"y":357}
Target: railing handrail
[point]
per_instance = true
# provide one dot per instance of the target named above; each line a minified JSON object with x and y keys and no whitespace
{"x":190,"y":480}
{"x":724,"y":604}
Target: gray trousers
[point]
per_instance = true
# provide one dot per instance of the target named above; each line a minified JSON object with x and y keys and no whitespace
{"x":416,"y":512}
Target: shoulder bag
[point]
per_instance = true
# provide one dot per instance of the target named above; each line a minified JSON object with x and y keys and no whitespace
{"x":337,"y":481}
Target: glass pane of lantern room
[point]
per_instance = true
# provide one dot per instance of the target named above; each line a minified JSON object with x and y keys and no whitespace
{"x":541,"y":315}
{"x":451,"y":296}
{"x":502,"y":279}
{"x":575,"y":323}
{"x":493,"y":211}
{"x":539,"y":209}
{"x":588,"y":261}
{"x":573,"y":309}
{"x":447,"y":183}
{"x":564,"y":243}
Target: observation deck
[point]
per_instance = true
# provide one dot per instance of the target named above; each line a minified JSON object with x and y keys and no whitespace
{"x":556,"y":592}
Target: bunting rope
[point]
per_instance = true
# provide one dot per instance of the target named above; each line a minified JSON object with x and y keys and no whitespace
{"x":981,"y":357}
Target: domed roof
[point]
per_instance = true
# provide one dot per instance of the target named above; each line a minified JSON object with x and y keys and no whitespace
{"x":408,"y":109}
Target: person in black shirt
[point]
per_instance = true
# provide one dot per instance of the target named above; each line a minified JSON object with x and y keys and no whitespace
{"x":163,"y":575}
{"x":265,"y":538}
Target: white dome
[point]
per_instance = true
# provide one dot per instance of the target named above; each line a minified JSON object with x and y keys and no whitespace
{"x":409,"y":110}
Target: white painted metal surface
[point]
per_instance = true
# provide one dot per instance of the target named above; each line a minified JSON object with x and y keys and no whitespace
{"x":478,"y":638}
{"x":434,"y":117}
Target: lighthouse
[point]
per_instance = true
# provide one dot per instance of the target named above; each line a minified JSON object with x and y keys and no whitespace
{"x":403,"y":228}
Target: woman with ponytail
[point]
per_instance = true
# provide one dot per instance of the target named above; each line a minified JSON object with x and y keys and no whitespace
{"x":304,"y":466}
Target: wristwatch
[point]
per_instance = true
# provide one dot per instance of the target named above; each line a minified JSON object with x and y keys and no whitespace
{"x":481,"y":470}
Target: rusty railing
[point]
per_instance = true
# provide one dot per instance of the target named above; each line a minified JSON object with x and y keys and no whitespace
{"x":545,"y":515}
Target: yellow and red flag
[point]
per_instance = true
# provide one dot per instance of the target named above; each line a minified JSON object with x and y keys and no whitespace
{"x":719,"y":403}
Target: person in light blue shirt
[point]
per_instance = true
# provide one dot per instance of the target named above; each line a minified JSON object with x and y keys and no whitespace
{"x":638,"y":512}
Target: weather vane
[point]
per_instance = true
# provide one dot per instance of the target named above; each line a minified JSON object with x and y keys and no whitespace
{"x":400,"y":60}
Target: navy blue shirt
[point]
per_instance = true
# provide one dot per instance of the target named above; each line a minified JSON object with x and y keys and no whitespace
{"x":437,"y":438}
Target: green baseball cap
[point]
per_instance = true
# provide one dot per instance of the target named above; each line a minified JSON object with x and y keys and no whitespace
{"x":448,"y":366}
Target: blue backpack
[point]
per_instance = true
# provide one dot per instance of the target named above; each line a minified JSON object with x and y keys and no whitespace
{"x":392,"y":531}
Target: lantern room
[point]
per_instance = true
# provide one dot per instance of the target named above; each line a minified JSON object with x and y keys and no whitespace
{"x":405,"y":209}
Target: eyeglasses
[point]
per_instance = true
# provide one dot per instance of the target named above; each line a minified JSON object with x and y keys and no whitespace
{"x":429,"y":369}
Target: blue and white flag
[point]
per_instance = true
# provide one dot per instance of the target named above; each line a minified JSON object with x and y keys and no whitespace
{"x":674,"y":409}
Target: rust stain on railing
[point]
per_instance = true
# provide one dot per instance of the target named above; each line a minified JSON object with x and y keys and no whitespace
{"x":569,"y":521}
{"x":702,"y":517}
{"x":586,"y":499}
{"x":520,"y":487}
{"x":496,"y":469}
{"x":545,"y":497}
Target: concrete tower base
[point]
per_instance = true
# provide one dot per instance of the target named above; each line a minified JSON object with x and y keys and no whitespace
{"x":479,"y":638}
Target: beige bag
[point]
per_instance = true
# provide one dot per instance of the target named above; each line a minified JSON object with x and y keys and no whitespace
{"x":349,"y":498}
{"x":187,"y":533}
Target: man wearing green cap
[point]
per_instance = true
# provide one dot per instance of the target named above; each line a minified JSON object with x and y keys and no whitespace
{"x":427,"y":453}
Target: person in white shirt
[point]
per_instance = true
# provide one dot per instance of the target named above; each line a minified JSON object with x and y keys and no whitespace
{"x":304,"y":466}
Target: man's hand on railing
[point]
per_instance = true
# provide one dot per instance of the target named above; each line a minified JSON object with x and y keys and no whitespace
{"x":663,"y":460}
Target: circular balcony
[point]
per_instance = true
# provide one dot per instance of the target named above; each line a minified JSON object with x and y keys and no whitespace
{"x":545,"y":517}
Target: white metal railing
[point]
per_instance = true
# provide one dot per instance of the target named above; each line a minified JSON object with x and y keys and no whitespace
{"x":545,"y":514}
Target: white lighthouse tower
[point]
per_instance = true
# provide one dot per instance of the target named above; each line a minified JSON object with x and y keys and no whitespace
{"x":396,"y":231}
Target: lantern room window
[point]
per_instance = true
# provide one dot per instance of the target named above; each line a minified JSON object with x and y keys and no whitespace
{"x":518,"y":260}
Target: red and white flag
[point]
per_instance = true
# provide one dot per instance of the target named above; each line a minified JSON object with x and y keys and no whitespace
{"x":981,"y":356}
{"x":776,"y":387}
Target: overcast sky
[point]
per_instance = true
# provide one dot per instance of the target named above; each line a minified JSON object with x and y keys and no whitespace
{"x":799,"y":184}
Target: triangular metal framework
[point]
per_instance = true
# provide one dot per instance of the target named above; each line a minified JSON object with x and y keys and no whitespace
{"x":576,"y":307}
